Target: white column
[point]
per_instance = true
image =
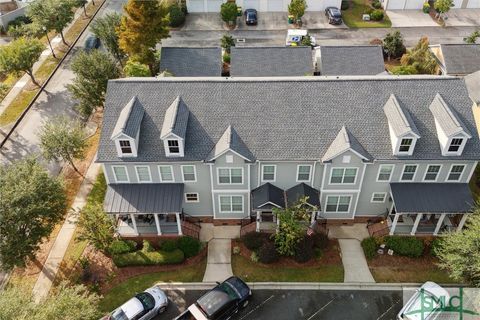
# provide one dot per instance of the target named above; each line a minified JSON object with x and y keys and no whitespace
{"x":278,"y":225}
{"x":314,"y":215}
{"x":415,"y":225}
{"x":439,"y":224}
{"x":134,"y":222}
{"x":462,"y":222}
{"x":179,"y":223}
{"x":157,"y":223}
{"x":257,"y":220}
{"x":394,"y":224}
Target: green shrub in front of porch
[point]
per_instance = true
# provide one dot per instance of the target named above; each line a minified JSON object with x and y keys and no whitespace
{"x":122,"y":246}
{"x":148,"y":256}
{"x":405,"y":246}
{"x":369,"y":246}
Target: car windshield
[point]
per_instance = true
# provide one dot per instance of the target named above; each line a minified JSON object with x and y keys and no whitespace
{"x":146,"y":299}
{"x":118,"y":315}
{"x":216,"y":299}
{"x":335,"y":12}
{"x":251,"y":15}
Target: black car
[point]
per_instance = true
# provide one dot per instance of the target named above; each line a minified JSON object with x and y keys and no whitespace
{"x":220,"y":303}
{"x":334,"y":15}
{"x":91,"y":43}
{"x":251,"y":17}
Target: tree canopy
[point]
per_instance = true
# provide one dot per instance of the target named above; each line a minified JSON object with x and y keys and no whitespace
{"x":472,"y":38}
{"x":31,"y":203}
{"x":105,"y":28}
{"x":420,"y":58}
{"x":297,"y":8}
{"x":136,"y":69}
{"x":443,"y":6}
{"x":96,"y":226}
{"x":393,"y":45}
{"x":228,"y":11}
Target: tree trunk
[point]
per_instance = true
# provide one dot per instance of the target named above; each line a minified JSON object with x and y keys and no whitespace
{"x":75,"y":168}
{"x":63,"y":38}
{"x":93,"y":2}
{"x":30,"y":73}
{"x":85,"y":11}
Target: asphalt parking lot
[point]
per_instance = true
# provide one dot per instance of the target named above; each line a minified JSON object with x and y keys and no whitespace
{"x":303,"y":304}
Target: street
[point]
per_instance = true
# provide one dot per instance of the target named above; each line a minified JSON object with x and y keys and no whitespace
{"x":304,"y":304}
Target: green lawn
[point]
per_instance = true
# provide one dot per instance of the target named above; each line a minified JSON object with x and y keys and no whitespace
{"x":352,"y":17}
{"x":410,"y":274}
{"x":254,"y":272}
{"x":122,"y":292}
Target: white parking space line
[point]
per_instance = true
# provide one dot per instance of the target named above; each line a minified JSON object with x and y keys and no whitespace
{"x":383,"y":314}
{"x":257,"y":307}
{"x":319,"y":310}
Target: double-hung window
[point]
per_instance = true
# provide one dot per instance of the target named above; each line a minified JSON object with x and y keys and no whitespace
{"x":189,"y":173}
{"x":191,"y":197}
{"x":338,"y":203}
{"x":343,"y":175}
{"x":230,"y":175}
{"x":143,"y":173}
{"x":173,"y":146}
{"x":405,"y":145}
{"x":409,"y":172}
{"x":432,"y":172}
{"x":378,"y":197}
{"x":125,"y":146}
{"x":455,"y":145}
{"x":268,"y":172}
{"x":385,"y":172}
{"x":120,"y":173}
{"x":166,"y":173}
{"x":231,"y":204}
{"x":303,"y":172}
{"x":456,"y":172}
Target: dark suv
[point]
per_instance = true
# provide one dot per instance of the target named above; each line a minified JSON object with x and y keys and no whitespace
{"x":334,"y":15}
{"x":251,"y":17}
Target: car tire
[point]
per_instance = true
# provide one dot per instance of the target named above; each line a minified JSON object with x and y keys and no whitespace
{"x":162,"y":309}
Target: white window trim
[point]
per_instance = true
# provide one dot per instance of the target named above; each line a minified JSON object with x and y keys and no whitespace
{"x":373,"y":196}
{"x":229,"y":168}
{"x":180,"y":141}
{"x":194,"y":172}
{"x":115,"y":176}
{"x":274,"y":172}
{"x":133,"y":146}
{"x":231,"y":205}
{"x":342,"y":183}
{"x":309,"y":173}
{"x":192,"y":201}
{"x":438,"y":174}
{"x":412,"y":146}
{"x":149,"y":174}
{"x":450,"y":170}
{"x":391,"y":173}
{"x":460,"y":149}
{"x":414,"y":174}
{"x":160,"y":173}
{"x":338,"y":195}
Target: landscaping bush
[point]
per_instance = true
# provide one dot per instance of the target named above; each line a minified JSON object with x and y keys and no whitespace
{"x":146,"y":258}
{"x":122,"y":246}
{"x":254,"y":240}
{"x":405,"y":246}
{"x":228,"y":12}
{"x":268,"y":253}
{"x":367,"y":10}
{"x":168,"y":245}
{"x":177,"y":15}
{"x":345,"y":5}
{"x":18,"y":21}
{"x":376,"y":15}
{"x":147,"y":247}
{"x":369,"y":246}
{"x":376,"y":4}
{"x":304,"y":250}
{"x":426,"y":8}
{"x":226,"y":58}
{"x":190,"y":246}
{"x":435,"y":245}
{"x":254,"y":256}
{"x":320,"y":240}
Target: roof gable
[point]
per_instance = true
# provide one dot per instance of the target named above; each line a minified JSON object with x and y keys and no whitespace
{"x":175,"y":120}
{"x":230,"y":141}
{"x":399,"y":118}
{"x":295,"y":193}
{"x":268,"y":196}
{"x":345,"y":141}
{"x":130,"y":119}
{"x":447,"y":119}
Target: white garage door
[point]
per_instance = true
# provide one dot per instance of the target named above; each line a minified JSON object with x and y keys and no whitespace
{"x":275,"y":5}
{"x":395,"y":4}
{"x":315,"y":5}
{"x":214,"y":5}
{"x":457,"y":4}
{"x":195,"y":6}
{"x":251,"y":4}
{"x":414,"y":4}
{"x":473,"y":4}
{"x":331,"y":3}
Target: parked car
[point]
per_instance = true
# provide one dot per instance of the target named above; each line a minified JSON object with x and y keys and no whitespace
{"x":251,"y":17}
{"x":295,"y":37}
{"x":144,"y":306}
{"x":334,"y":15}
{"x":222,"y":302}
{"x":92,"y":42}
{"x":431,"y":290}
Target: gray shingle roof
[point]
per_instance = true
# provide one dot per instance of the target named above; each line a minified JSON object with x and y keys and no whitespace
{"x":271,"y":61}
{"x":461,"y":59}
{"x":345,"y":141}
{"x":230,"y":140}
{"x":436,"y":197}
{"x":399,"y":117}
{"x":286,"y":118}
{"x":176,"y":119}
{"x":301,"y":190}
{"x":473,"y":86}
{"x":446,"y":117}
{"x":265,"y":195}
{"x":129,"y":120}
{"x":191,"y":62}
{"x":351,"y":60}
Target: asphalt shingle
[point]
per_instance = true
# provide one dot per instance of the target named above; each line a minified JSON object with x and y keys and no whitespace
{"x":351,"y":60}
{"x":461,"y":59}
{"x":191,"y":62}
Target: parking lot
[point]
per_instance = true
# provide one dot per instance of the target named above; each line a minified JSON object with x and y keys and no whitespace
{"x":303,"y":304}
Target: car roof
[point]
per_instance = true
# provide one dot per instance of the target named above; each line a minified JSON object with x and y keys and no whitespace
{"x":132,"y":307}
{"x":251,"y":10}
{"x":217,"y":298}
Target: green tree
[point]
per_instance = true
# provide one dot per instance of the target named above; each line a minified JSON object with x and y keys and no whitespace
{"x":31,"y":203}
{"x":144,"y":24}
{"x":297,"y":8}
{"x":459,"y":251}
{"x":404,"y":70}
{"x":63,"y":139}
{"x":227,"y":42}
{"x":52,"y":14}
{"x":228,"y":11}
{"x":96,"y":227}
{"x":420,"y":58}
{"x":472,"y":38}
{"x":81,"y":3}
{"x":92,"y":72}
{"x":443,"y":6}
{"x":136,"y":69}
{"x":393,"y":45}
{"x":105,"y":28}
{"x":20,"y":55}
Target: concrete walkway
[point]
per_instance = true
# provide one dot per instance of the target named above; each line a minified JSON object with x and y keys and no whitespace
{"x":55,"y":257}
{"x":219,"y":260}
{"x":357,"y":231}
{"x":354,"y":262}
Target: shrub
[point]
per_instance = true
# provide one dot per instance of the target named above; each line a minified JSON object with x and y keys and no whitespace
{"x":227,"y":42}
{"x":18,"y":21}
{"x":376,"y":4}
{"x":345,"y":5}
{"x":405,"y":246}
{"x":369,"y":246}
{"x":190,"y":246}
{"x":146,"y":258}
{"x":168,"y":245}
{"x":304,"y":250}
{"x":4,"y":89}
{"x":254,"y":256}
{"x":226,"y":58}
{"x":404,"y":70}
{"x":177,"y":15}
{"x":320,"y":240}
{"x":367,"y":10}
{"x":147,"y":247}
{"x":228,"y":11}
{"x":254,"y":240}
{"x":122,"y":246}
{"x":426,"y":8}
{"x":318,"y":253}
{"x":376,"y":15}
{"x":435,"y":245}
{"x":268,"y":253}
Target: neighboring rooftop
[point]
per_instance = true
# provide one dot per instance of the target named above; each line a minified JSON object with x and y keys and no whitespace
{"x":271,"y":61}
{"x":457,"y":59}
{"x":350,"y":60}
{"x":287,"y":118}
{"x":191,"y":62}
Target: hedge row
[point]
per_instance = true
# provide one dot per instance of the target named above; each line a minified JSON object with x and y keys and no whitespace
{"x":143,"y":258}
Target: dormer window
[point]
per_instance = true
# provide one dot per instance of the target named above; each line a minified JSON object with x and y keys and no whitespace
{"x":126,"y":133}
{"x":125,"y":147}
{"x":173,"y":146}
{"x":174,"y":128}
{"x":455,"y":145}
{"x":405,"y":145}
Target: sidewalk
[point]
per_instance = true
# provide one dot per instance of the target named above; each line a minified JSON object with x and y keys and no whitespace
{"x":55,"y":257}
{"x":219,"y":260}
{"x":354,"y":263}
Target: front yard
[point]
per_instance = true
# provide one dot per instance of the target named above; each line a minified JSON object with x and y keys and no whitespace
{"x":352,"y":17}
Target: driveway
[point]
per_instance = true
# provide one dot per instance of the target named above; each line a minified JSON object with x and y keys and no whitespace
{"x":463,"y":18}
{"x":410,"y":18}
